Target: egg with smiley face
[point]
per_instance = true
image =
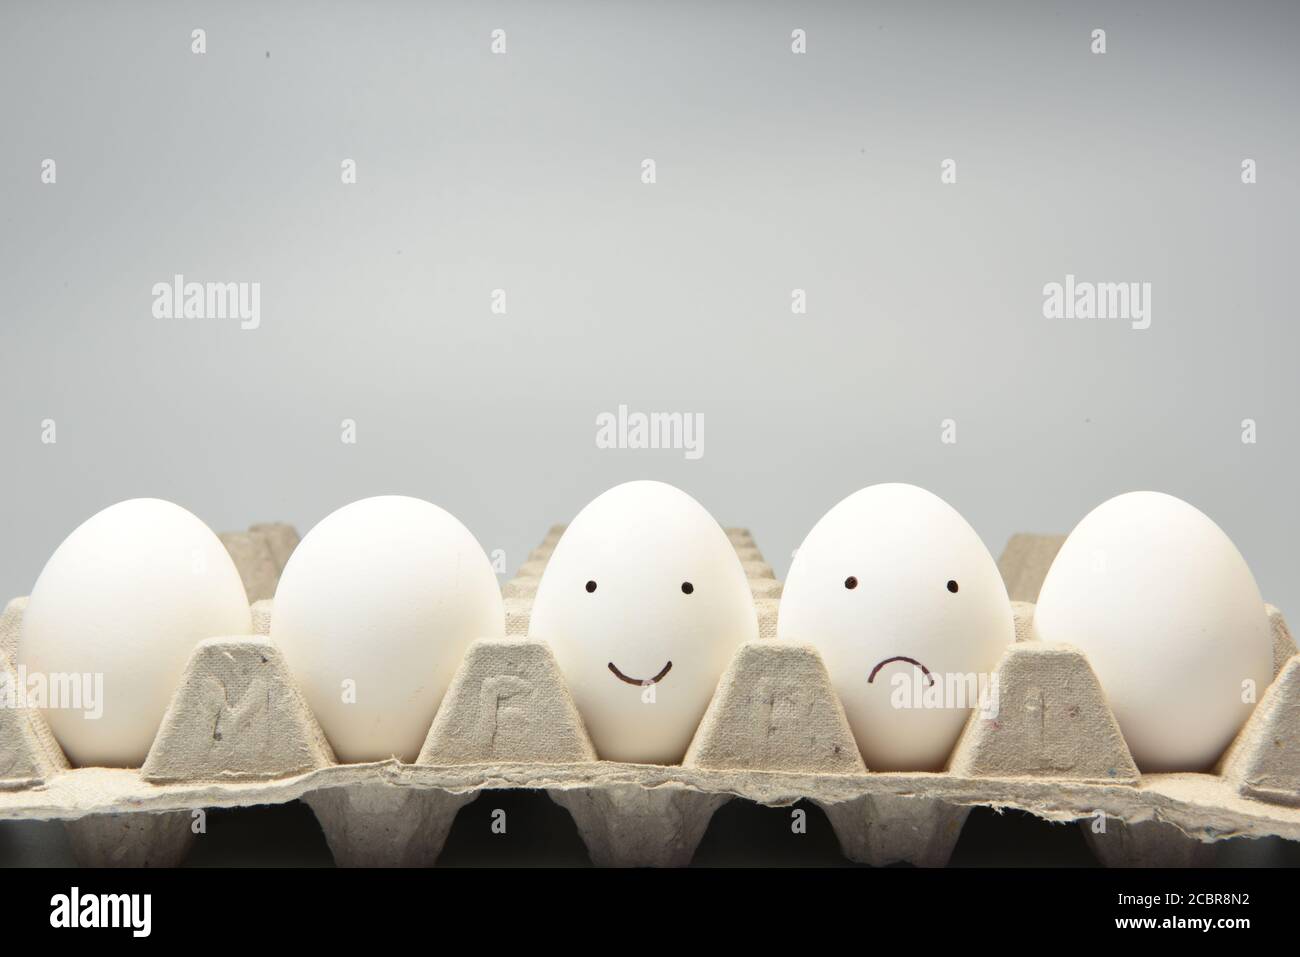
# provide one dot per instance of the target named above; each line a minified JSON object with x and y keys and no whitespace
{"x":909,"y":613}
{"x":643,"y":601}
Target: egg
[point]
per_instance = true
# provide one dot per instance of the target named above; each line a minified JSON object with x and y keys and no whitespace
{"x":116,"y":612}
{"x":643,"y":601}
{"x":1172,"y":623}
{"x":374,"y":612}
{"x":910,"y":615}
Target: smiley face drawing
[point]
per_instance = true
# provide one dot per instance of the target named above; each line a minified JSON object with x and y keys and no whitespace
{"x":894,"y":588}
{"x":643,"y":601}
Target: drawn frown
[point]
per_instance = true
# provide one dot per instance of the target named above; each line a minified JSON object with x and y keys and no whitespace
{"x":892,"y":584}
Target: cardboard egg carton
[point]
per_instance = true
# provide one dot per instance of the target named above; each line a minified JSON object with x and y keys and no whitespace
{"x":238,"y":733}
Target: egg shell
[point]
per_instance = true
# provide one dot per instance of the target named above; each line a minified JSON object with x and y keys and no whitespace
{"x":127,"y":596}
{"x":374,"y":611}
{"x":1171,"y":620}
{"x":900,"y":547}
{"x":639,"y":543}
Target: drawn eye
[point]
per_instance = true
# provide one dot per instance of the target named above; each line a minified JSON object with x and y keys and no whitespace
{"x":687,"y":588}
{"x":591,"y":586}
{"x":850,"y":583}
{"x":952,"y":587}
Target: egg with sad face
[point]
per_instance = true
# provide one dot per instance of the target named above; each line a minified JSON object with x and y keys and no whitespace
{"x":643,"y":602}
{"x":899,"y":595}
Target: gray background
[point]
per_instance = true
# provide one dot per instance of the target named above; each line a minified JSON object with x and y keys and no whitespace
{"x":522,"y":171}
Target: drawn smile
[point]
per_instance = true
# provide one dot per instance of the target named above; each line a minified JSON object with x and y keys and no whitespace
{"x":910,"y":661}
{"x":640,"y":682}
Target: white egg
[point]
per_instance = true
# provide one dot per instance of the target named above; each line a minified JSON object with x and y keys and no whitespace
{"x":374,"y":612}
{"x":1172,"y":622}
{"x":644,"y":602}
{"x":121,"y":603}
{"x":904,"y":602}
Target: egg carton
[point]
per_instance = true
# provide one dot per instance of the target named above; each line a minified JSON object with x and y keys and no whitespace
{"x":238,"y":733}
